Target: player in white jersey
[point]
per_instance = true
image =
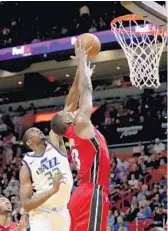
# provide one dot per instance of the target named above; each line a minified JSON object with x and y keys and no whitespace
{"x":45,"y":182}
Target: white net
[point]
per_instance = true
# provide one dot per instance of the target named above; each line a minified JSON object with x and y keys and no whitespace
{"x":143,"y":46}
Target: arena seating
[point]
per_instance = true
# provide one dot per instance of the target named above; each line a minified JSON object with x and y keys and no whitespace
{"x":138,"y":180}
{"x":81,"y":18}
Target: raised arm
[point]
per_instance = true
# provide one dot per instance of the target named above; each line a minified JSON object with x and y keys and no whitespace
{"x":26,"y":191}
{"x":83,"y":125}
{"x":57,"y":141}
{"x":72,"y":98}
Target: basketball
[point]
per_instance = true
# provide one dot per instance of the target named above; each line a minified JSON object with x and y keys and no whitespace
{"x":89,"y":40}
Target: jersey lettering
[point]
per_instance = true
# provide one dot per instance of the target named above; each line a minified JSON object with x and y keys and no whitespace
{"x":43,"y":172}
{"x":47,"y":165}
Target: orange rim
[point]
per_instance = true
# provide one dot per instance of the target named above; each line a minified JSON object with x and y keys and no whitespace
{"x":135,"y":17}
{"x":128,"y":17}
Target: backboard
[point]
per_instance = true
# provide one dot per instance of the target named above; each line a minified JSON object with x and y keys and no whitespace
{"x":149,"y":10}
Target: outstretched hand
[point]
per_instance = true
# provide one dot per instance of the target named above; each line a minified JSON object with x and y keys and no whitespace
{"x":81,"y":55}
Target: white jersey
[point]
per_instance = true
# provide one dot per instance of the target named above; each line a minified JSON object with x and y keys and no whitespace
{"x":42,"y":170}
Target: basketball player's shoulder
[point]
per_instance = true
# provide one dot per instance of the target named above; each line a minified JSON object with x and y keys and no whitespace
{"x":51,"y":147}
{"x":28,"y":158}
{"x":69,"y":133}
{"x":28,"y":155}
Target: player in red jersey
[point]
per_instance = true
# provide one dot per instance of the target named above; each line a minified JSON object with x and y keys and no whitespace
{"x":5,"y":217}
{"x":89,"y":202}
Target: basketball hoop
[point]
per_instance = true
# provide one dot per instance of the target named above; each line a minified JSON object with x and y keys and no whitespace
{"x":143,"y":45}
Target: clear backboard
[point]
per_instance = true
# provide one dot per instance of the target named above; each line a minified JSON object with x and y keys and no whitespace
{"x":142,"y":40}
{"x":149,"y":10}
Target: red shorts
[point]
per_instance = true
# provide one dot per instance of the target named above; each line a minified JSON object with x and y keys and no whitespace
{"x":88,"y":207}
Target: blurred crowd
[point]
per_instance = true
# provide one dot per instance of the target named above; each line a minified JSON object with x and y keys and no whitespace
{"x":62,"y":89}
{"x":53,"y":20}
{"x":77,"y":18}
{"x":134,"y":110}
{"x":138,"y":183}
{"x":138,"y":189}
{"x":134,"y":118}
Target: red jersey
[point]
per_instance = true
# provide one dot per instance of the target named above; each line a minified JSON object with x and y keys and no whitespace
{"x":91,"y":157}
{"x":11,"y":227}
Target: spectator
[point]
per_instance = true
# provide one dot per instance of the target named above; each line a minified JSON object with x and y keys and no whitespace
{"x":145,"y":211}
{"x":84,"y":20}
{"x":152,"y":227}
{"x":131,"y":214}
{"x":64,"y":31}
{"x":133,"y":182}
{"x":156,"y":202}
{"x":143,"y":201}
{"x":5,"y":31}
{"x":159,"y":216}
{"x":155,"y":191}
{"x":163,"y":193}
{"x":108,"y":228}
{"x":84,"y":10}
{"x":158,"y":147}
{"x":10,"y":139}
{"x":145,"y":192}
{"x":134,"y":169}
{"x":36,"y":40}
{"x":92,"y":29}
{"x":8,"y":154}
{"x":134,"y":201}
{"x":163,"y":182}
{"x":122,"y":229}
{"x":102,"y":24}
{"x":110,"y":221}
{"x":13,"y":22}
{"x":3,"y":126}
{"x":12,"y":188}
{"x":138,"y":150}
{"x":121,"y":163}
{"x":121,"y":224}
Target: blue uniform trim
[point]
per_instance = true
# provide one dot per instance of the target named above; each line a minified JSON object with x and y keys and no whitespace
{"x":58,"y":150}
{"x":36,"y":156}
{"x":29,"y":169}
{"x":39,"y":156}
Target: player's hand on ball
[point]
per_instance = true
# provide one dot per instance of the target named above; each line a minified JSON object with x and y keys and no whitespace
{"x":80,"y":51}
{"x":57,"y":181}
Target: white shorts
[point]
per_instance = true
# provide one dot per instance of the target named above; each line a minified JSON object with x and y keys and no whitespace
{"x":49,"y":220}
